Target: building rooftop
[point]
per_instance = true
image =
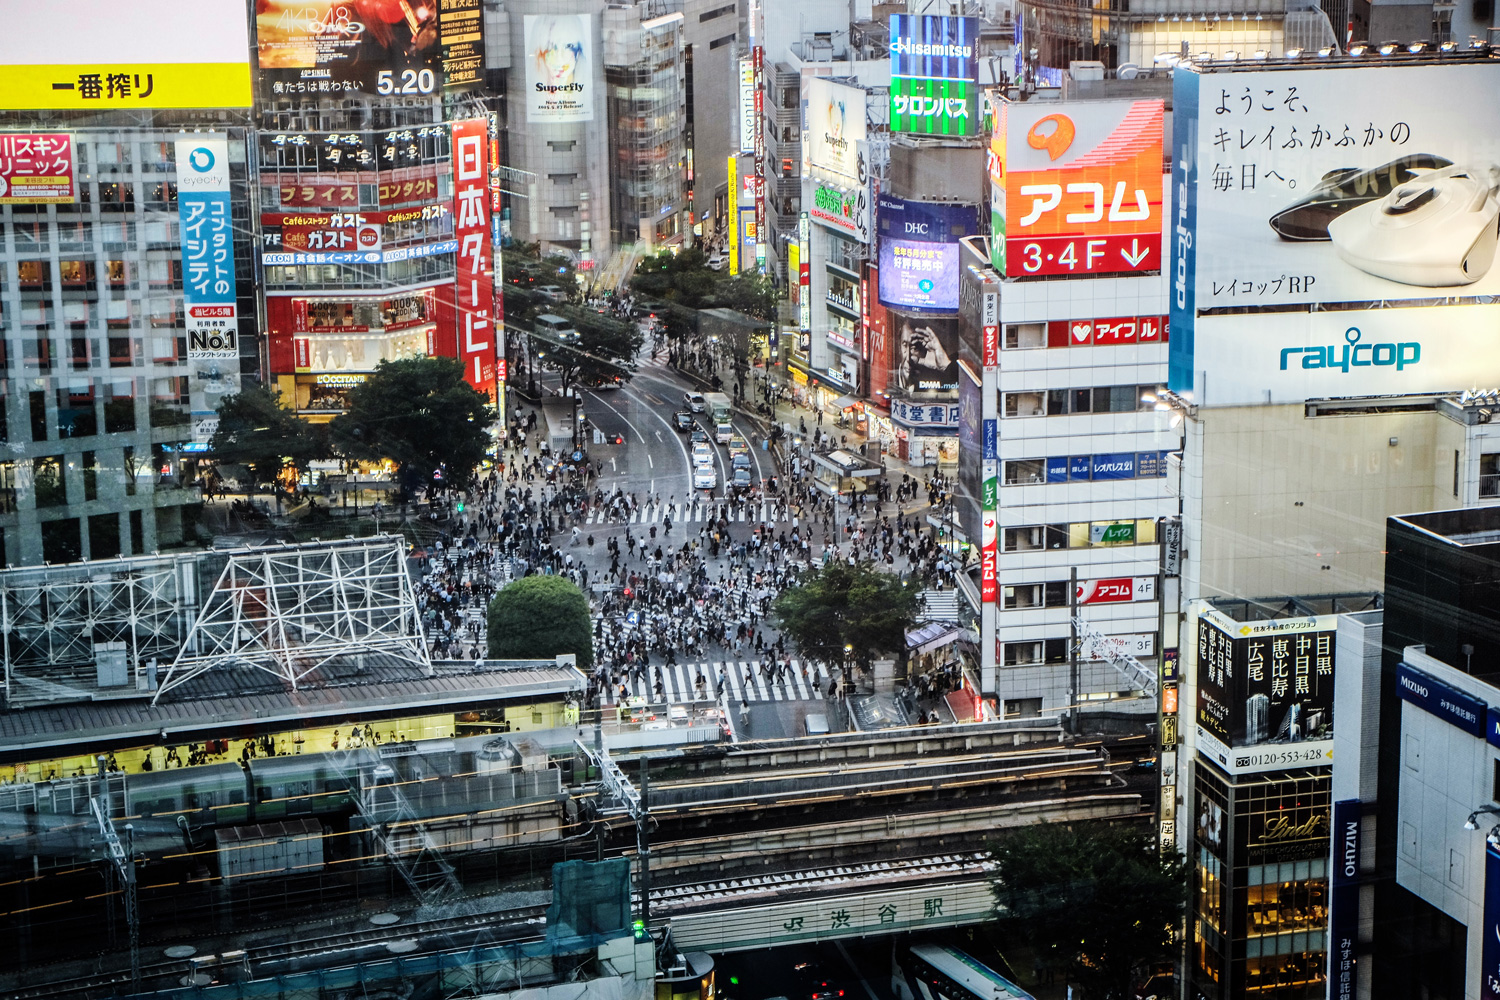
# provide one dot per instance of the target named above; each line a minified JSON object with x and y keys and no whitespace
{"x":1471,"y":526}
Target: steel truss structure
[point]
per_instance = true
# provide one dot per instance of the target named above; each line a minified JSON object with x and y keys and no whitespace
{"x":288,"y":610}
{"x":90,"y":631}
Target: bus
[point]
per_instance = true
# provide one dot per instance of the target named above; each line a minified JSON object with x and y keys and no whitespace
{"x":937,"y":972}
{"x":719,"y":414}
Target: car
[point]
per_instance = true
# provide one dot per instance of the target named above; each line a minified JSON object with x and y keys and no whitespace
{"x":705,"y":478}
{"x":737,"y":444}
{"x":699,"y":434}
{"x":703,"y":453}
{"x":693,"y":401}
{"x":717,"y":260}
{"x":683,"y":420}
{"x":552,"y":293}
{"x":608,"y":382}
{"x":742,"y":481}
{"x":741,"y":460}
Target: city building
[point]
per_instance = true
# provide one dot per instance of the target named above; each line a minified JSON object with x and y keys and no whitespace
{"x":126,"y":281}
{"x":712,"y":53}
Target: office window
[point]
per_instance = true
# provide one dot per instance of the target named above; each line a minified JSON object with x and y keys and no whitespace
{"x":48,"y":481}
{"x":1024,"y":404}
{"x":1024,"y":336}
{"x":1025,"y":471}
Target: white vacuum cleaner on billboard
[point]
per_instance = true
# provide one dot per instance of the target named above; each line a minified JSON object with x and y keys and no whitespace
{"x":1419,"y":220}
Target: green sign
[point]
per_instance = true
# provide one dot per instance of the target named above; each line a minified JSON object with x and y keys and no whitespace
{"x":934,"y":107}
{"x":1104,"y":534}
{"x":992,"y":493}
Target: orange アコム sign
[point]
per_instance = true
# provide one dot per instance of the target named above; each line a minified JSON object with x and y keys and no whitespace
{"x":1082,"y":188}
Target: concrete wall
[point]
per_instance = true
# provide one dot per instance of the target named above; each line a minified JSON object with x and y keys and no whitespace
{"x":1291,"y":504}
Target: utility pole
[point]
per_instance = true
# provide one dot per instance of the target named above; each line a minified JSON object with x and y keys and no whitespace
{"x":643,"y":842}
{"x":1073,"y":650}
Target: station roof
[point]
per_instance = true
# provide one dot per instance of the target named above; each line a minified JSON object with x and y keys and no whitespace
{"x":233,"y":700}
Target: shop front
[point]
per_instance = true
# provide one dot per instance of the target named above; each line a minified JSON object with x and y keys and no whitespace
{"x":926,"y":431}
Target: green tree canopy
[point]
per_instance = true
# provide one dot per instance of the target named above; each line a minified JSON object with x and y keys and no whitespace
{"x":1098,"y":902}
{"x":538,"y":618}
{"x":420,"y":414}
{"x":258,"y":430}
{"x":606,"y":348}
{"x":685,"y":279}
{"x":841,"y":605}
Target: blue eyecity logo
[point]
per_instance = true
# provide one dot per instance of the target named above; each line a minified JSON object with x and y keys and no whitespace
{"x":1356,"y":355}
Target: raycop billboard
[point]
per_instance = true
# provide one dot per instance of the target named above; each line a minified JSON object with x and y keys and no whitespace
{"x":1332,"y":187}
{"x":1265,"y":684}
{"x":934,"y":74}
{"x":1076,"y":189}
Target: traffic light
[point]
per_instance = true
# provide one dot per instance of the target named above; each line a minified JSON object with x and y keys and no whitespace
{"x":460,"y":506}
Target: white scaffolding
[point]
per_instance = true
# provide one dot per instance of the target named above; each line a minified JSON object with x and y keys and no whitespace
{"x":290,"y":609}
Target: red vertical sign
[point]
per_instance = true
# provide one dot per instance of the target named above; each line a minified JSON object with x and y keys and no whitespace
{"x":760,"y":152}
{"x":471,"y":227}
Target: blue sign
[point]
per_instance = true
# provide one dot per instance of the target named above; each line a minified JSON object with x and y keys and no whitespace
{"x":1079,"y":467}
{"x":1447,"y":703}
{"x":1057,"y":470}
{"x":992,"y":438}
{"x":1343,"y":922}
{"x":1493,"y":733}
{"x":1119,"y":466}
{"x":1150,"y":464}
{"x":1181,"y":230}
{"x":1489,"y":967}
{"x":925,"y":221}
{"x":633,"y":618}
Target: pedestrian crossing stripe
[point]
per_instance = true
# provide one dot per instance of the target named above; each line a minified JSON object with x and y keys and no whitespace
{"x":742,"y":681}
{"x":696,"y":512}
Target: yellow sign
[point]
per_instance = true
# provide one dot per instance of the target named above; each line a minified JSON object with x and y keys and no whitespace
{"x":734,"y":216}
{"x":105,"y":86}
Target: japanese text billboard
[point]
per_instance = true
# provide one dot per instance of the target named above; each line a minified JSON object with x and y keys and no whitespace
{"x":352,"y":231}
{"x":471,"y":227}
{"x":559,"y":68}
{"x":1265,"y":681}
{"x":835,"y":123}
{"x":1337,"y":185}
{"x":207,"y":247}
{"x":934,"y":74}
{"x":846,"y":209}
{"x":37,"y":169}
{"x":103,"y":54}
{"x":461,"y":32}
{"x":385,"y":47}
{"x":919,"y":275}
{"x":1079,"y":188}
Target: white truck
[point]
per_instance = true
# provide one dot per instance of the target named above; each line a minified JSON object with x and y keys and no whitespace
{"x":717,"y":406}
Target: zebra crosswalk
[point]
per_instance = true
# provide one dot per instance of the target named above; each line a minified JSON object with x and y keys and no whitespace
{"x":743,"y":681}
{"x":692,"y":512}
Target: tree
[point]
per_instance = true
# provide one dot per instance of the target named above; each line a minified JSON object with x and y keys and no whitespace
{"x":1098,"y":902}
{"x":855,"y":606}
{"x":258,"y":430}
{"x":538,"y":618}
{"x":605,"y":348}
{"x":420,"y":414}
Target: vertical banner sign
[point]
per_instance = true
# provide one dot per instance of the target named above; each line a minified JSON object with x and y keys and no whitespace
{"x":989,"y":544}
{"x":760,"y":157}
{"x":207,"y":247}
{"x":748,"y":119}
{"x":1343,"y":923}
{"x":1489,"y":972}
{"x":471,"y":228}
{"x":734,"y":214}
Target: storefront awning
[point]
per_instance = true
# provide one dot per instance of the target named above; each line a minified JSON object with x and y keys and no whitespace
{"x":845,"y":402}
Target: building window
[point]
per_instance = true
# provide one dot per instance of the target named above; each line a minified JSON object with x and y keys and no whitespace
{"x":1489,"y":476}
{"x":1035,"y":651}
{"x":1024,"y":404}
{"x":1092,"y":399}
{"x":1023,"y":708}
{"x":1053,"y":594}
{"x":7,"y":490}
{"x":1080,"y":535}
{"x":1025,"y":472}
{"x":47,"y":479}
{"x":1024,"y":336}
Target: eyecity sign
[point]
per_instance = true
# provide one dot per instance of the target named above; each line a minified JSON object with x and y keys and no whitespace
{"x":1355,"y":354}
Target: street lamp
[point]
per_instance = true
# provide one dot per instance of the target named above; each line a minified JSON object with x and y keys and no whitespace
{"x":1472,"y":823}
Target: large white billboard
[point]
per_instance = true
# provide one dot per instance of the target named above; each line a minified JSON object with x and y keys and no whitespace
{"x":1248,"y":359}
{"x":835,"y":124}
{"x":559,"y":68}
{"x":1342,"y":185}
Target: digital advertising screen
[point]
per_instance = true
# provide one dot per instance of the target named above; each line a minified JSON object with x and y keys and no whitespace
{"x":934,"y":74}
{"x":919,"y":275}
{"x":383,"y":47}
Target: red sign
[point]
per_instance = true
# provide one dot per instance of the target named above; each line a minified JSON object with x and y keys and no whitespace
{"x":1116,"y":591}
{"x":402,"y":186}
{"x":991,"y":346}
{"x":302,"y":354}
{"x":37,"y":169}
{"x":334,"y":232}
{"x":471,"y":227}
{"x":987,"y":584}
{"x":1107,"y":332}
{"x":1083,"y":208}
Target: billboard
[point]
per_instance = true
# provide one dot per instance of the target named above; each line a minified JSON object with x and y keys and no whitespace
{"x":385,"y":47}
{"x":1077,"y":191}
{"x":352,"y":231}
{"x":37,"y":169}
{"x":471,"y":228}
{"x":559,"y":68}
{"x":91,"y":55}
{"x":1340,"y":185}
{"x":846,"y":209}
{"x":461,"y":33}
{"x":927,"y":352}
{"x":835,"y":123}
{"x":934,"y":74}
{"x":1265,"y":682}
{"x":1119,"y":590}
{"x":919,"y":275}
{"x":748,"y":121}
{"x":207,"y":247}
{"x":936,"y":222}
